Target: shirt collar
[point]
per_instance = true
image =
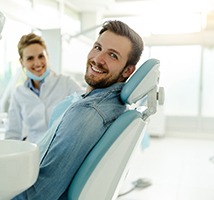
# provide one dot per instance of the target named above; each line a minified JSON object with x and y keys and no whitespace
{"x":29,"y":84}
{"x":113,"y":87}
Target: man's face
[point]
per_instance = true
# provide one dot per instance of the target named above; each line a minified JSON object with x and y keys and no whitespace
{"x":107,"y":59}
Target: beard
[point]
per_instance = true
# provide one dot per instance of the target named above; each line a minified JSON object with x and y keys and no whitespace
{"x":97,"y":82}
{"x":101,"y":83}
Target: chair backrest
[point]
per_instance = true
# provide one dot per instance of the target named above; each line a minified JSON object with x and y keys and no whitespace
{"x":103,"y":171}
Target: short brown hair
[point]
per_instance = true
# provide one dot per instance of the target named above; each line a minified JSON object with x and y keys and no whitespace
{"x":123,"y":29}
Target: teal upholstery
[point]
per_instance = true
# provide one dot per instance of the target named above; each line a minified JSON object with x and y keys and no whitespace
{"x":132,"y":91}
{"x":98,"y":151}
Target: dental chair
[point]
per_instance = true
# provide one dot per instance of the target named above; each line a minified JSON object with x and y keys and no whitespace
{"x":102,"y":173}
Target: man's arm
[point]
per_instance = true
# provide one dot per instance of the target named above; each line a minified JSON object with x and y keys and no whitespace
{"x":77,"y":133}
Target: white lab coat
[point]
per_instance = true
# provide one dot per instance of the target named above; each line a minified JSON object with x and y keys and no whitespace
{"x":29,"y":114}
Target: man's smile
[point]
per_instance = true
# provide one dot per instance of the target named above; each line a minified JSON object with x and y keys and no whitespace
{"x":97,"y":70}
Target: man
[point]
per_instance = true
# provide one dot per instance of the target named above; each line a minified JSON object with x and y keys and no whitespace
{"x":110,"y":63}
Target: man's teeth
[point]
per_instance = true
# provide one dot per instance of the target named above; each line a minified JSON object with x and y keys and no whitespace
{"x":97,"y":70}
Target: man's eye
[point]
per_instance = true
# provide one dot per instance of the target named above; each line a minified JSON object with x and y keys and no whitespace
{"x":113,"y":55}
{"x":97,"y":48}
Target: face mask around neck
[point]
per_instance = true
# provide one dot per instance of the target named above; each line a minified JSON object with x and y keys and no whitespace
{"x":37,"y":78}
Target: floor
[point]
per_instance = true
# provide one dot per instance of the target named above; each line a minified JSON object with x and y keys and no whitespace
{"x":179,"y":169}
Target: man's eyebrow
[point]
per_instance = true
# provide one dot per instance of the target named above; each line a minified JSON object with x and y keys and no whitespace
{"x":116,"y":52}
{"x":97,"y":43}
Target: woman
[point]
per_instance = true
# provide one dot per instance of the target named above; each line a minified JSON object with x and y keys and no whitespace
{"x":32,"y":103}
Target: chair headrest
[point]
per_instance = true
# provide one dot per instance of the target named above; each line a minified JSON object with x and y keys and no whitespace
{"x":141,"y":82}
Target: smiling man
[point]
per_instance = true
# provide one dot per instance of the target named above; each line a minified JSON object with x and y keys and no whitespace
{"x":110,"y":63}
{"x":107,"y":61}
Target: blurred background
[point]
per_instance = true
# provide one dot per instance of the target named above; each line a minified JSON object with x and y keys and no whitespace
{"x":178,"y":33}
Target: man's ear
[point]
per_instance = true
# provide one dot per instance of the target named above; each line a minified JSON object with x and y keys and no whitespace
{"x":128,"y":71}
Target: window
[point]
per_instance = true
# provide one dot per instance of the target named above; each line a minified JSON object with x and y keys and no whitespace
{"x":180,"y":70}
{"x":9,"y":58}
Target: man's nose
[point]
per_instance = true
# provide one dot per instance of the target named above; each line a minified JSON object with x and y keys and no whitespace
{"x":100,"y":58}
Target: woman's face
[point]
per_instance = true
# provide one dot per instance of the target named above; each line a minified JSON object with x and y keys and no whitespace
{"x":35,"y":59}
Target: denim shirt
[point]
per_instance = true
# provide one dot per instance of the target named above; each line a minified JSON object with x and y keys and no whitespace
{"x":81,"y":126}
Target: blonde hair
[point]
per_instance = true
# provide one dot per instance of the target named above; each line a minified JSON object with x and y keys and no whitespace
{"x":29,"y":39}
